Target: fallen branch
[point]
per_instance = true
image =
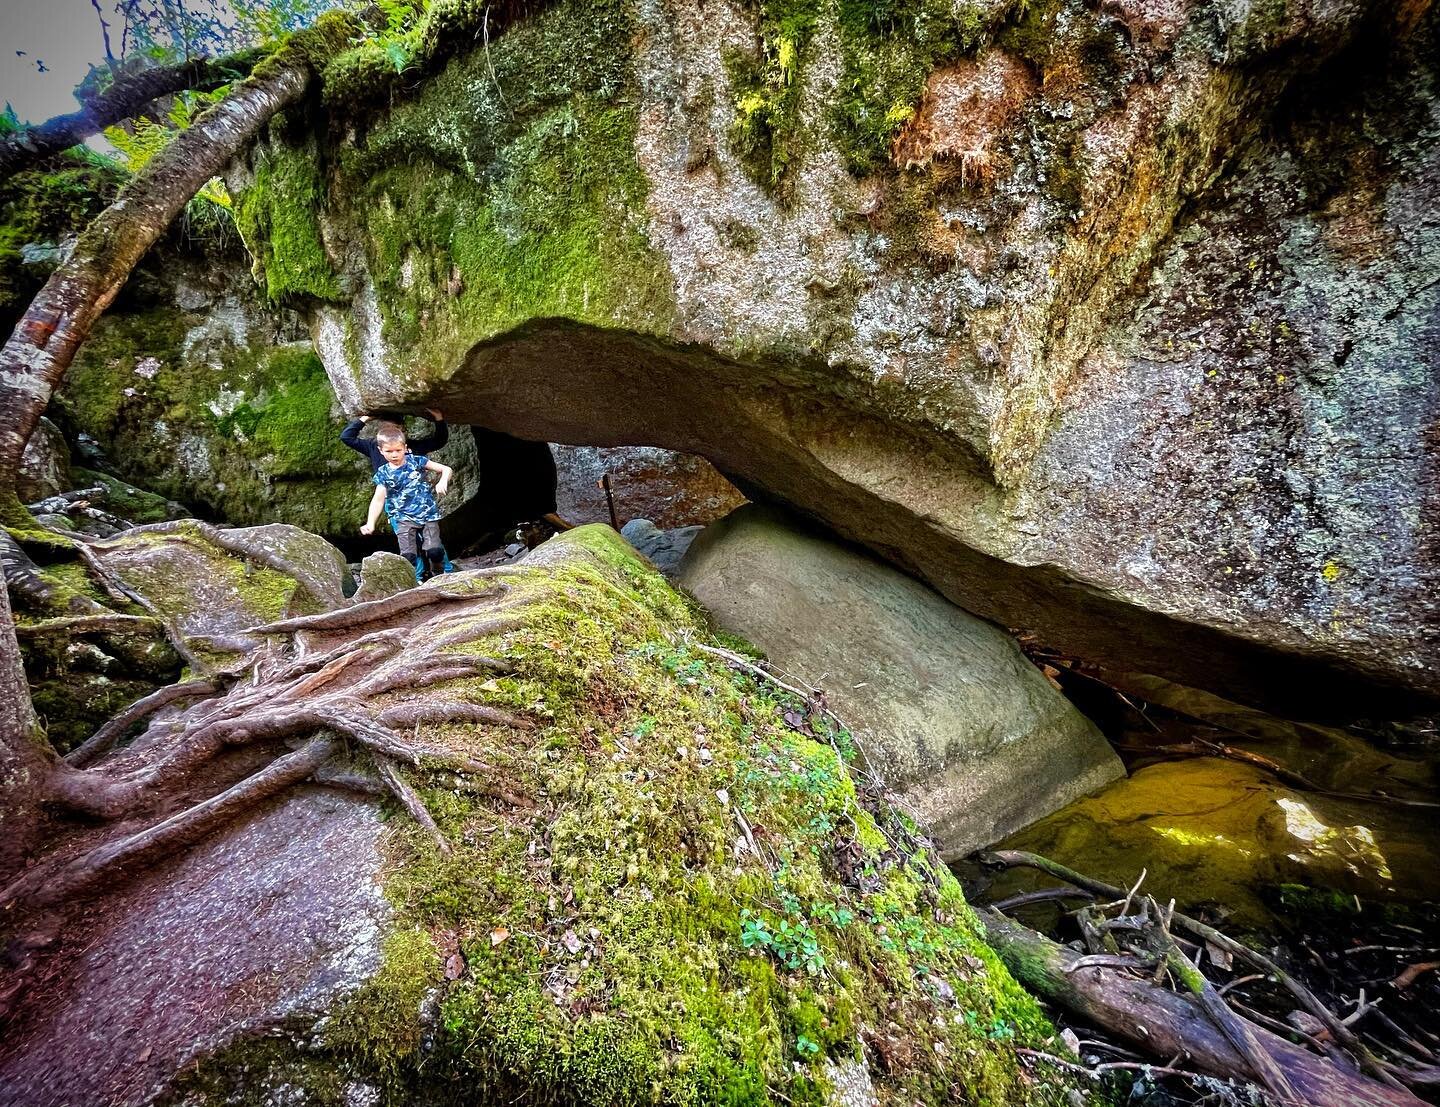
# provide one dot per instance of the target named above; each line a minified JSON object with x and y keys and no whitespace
{"x":1167,"y":1024}
{"x":1340,"y":1032}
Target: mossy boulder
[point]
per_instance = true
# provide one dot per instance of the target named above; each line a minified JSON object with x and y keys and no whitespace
{"x":202,"y":394}
{"x":663,"y":893}
{"x":980,"y":286}
{"x":383,"y":574}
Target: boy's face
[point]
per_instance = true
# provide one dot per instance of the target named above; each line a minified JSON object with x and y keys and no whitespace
{"x":393,"y":452}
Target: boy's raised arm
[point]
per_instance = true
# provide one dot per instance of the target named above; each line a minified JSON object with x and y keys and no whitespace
{"x":443,"y":484}
{"x":436,"y":438}
{"x":351,"y":435}
{"x":377,"y":503}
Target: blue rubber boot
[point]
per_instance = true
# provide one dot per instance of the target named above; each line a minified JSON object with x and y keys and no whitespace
{"x":445,"y":564}
{"x":419,"y":569}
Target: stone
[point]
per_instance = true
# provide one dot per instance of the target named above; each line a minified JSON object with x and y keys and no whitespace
{"x":561,"y":950}
{"x":664,"y":548}
{"x":275,"y":919}
{"x":383,"y":574}
{"x":213,"y":595}
{"x":669,"y":489}
{"x":1125,"y":361}
{"x":202,"y":393}
{"x":947,"y":710}
{"x":45,"y":465}
{"x":317,"y":565}
{"x":1215,"y":832}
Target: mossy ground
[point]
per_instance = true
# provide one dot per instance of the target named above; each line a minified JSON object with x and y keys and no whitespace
{"x":623,"y":943}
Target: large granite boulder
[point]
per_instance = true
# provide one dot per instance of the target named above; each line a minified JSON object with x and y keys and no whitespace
{"x":948,"y":710}
{"x":610,"y":922}
{"x":1115,"y":323}
{"x":670,"y":489}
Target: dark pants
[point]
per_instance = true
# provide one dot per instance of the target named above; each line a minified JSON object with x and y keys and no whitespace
{"x":406,"y":533}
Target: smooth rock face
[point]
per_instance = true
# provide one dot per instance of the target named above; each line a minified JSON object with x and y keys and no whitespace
{"x":664,"y":548}
{"x":945,"y":707}
{"x":275,"y":918}
{"x":1213,"y":831}
{"x":669,"y":489}
{"x":1133,"y":348}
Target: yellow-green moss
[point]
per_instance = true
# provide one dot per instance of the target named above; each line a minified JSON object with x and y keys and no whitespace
{"x":604,"y":941}
{"x":252,"y":441}
{"x":276,"y":215}
{"x":888,"y":50}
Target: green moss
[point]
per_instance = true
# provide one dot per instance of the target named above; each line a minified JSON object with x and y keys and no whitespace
{"x":529,"y":207}
{"x":41,"y":206}
{"x":888,"y":49}
{"x":123,"y":499}
{"x":603,"y":940}
{"x":254,"y":440}
{"x":276,"y":215}
{"x":380,"y":1024}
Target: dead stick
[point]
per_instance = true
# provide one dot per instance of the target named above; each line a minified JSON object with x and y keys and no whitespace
{"x":401,"y":789}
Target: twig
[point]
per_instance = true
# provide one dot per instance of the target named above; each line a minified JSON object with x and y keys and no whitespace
{"x":411,"y":800}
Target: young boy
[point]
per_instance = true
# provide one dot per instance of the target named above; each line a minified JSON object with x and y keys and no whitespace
{"x":402,"y":490}
{"x":369,"y":447}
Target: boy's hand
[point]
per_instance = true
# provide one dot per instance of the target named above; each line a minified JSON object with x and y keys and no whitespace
{"x":436,"y":414}
{"x":442,"y":486}
{"x":367,"y":528}
{"x":364,"y":418}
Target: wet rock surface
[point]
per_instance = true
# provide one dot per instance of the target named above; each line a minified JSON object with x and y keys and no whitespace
{"x":270,"y":922}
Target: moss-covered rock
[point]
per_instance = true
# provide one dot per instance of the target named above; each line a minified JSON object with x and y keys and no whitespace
{"x":666,"y":892}
{"x":205,"y":396}
{"x":889,"y":263}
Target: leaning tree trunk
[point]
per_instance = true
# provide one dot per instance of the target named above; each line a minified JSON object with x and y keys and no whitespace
{"x":60,"y":317}
{"x":23,"y":756}
{"x":125,"y":98}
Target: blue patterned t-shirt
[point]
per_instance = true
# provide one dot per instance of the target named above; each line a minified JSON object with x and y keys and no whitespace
{"x":408,"y":496}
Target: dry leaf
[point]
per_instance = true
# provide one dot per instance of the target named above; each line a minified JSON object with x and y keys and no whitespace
{"x":498,"y":935}
{"x":454,"y":967}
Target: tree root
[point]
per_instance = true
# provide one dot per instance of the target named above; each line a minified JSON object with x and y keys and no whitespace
{"x":23,"y":578}
{"x":86,"y":624}
{"x":362,"y":614}
{"x":42,"y":887}
{"x":103,"y":739}
{"x":400,"y":788}
{"x":405,"y":715}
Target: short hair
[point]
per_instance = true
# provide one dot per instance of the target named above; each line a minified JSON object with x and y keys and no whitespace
{"x":390,"y":432}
